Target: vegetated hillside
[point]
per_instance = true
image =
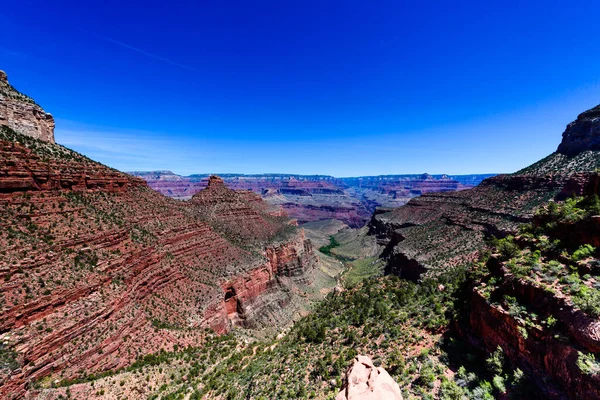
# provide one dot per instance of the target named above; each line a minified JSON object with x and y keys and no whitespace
{"x":541,"y":323}
{"x":310,"y":198}
{"x":407,"y":328}
{"x":438,"y":229}
{"x":97,"y":270}
{"x":538,"y":298}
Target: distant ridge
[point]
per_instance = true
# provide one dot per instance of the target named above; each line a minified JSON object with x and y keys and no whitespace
{"x":318,"y":197}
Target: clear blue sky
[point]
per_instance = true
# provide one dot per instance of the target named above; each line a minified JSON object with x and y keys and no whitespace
{"x":333,"y":87}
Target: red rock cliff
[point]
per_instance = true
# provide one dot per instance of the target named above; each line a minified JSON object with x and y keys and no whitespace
{"x":97,"y":269}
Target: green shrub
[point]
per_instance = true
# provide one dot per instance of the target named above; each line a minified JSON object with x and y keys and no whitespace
{"x":495,"y":362}
{"x":588,"y":364}
{"x":582,"y":252}
{"x":507,"y":248}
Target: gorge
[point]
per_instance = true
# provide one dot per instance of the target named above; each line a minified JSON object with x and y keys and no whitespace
{"x":310,"y":198}
{"x":154,"y":285}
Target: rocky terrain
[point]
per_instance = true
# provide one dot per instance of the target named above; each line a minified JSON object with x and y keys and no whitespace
{"x":20,"y":112}
{"x":319,"y":197}
{"x":98,"y":270}
{"x":366,"y":382}
{"x":109,"y":289}
{"x":536,"y":299}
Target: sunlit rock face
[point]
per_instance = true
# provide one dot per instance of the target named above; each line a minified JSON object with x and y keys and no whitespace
{"x":20,"y":113}
{"x":582,"y":134}
{"x":364,"y":381}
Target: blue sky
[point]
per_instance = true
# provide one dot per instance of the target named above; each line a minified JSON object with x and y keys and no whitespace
{"x":333,"y":87}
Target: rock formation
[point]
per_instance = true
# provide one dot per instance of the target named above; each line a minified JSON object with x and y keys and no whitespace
{"x":439,"y":230}
{"x":20,"y":113}
{"x":445,"y":229}
{"x":364,"y":381}
{"x":98,"y":270}
{"x":582,"y":134}
{"x":318,"y":197}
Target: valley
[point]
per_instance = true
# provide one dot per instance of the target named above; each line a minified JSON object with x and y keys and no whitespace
{"x":157,"y":286}
{"x":311,"y":198}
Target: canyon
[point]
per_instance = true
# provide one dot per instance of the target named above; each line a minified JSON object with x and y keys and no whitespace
{"x":310,"y":198}
{"x":439,"y":231}
{"x":99,"y":270}
{"x":155,"y":285}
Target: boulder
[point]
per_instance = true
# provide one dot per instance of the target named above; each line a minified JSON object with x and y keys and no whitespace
{"x":364,"y":381}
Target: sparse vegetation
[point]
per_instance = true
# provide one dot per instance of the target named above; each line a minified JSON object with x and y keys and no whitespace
{"x":332,"y":245}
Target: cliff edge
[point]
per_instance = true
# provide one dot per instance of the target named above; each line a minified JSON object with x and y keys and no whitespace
{"x":20,"y":113}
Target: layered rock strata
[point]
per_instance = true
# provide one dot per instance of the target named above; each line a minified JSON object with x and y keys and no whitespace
{"x":20,"y":112}
{"x":318,"y":197}
{"x":97,"y":270}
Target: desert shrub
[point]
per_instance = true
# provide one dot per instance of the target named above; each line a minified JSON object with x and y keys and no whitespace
{"x":498,"y":383}
{"x":588,"y":364}
{"x":507,"y":247}
{"x":495,"y":362}
{"x":584,"y":251}
{"x":8,"y":358}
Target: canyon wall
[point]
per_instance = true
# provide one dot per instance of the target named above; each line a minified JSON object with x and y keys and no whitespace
{"x":310,"y":198}
{"x":440,"y":230}
{"x":549,"y":355}
{"x":97,"y":270}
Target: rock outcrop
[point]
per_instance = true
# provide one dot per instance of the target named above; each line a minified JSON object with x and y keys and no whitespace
{"x":20,"y":113}
{"x":364,"y":381}
{"x":582,"y":134}
{"x":440,"y":230}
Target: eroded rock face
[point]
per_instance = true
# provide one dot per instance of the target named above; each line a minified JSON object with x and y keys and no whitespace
{"x":549,"y":356}
{"x":98,"y":270}
{"x":22,"y":114}
{"x":582,"y":134}
{"x":260,"y":296}
{"x":364,"y":381}
{"x":320,"y":197}
{"x":447,"y":229}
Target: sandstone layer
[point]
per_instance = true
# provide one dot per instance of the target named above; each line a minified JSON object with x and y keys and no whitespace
{"x":20,"y":113}
{"x":364,"y":381}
